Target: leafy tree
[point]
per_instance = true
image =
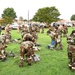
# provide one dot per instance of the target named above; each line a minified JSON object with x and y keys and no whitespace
{"x":47,"y":14}
{"x":2,"y":22}
{"x":72,"y":17}
{"x":9,"y":12}
{"x":8,"y":16}
{"x":6,"y":20}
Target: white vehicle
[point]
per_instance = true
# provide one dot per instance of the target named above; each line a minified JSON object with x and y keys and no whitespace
{"x":55,"y":23}
{"x":69,"y":24}
{"x":14,"y":25}
{"x":43,"y":24}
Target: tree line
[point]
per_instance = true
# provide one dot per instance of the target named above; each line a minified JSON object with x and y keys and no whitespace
{"x":46,"y":14}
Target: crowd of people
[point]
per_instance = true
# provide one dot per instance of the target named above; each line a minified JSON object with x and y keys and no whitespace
{"x":28,"y":44}
{"x":56,"y":33}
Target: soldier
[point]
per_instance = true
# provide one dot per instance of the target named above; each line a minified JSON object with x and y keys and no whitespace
{"x":42,"y":27}
{"x":60,"y":29}
{"x":71,"y":50}
{"x":34,"y":32}
{"x":53,"y":42}
{"x":65,"y":30}
{"x":18,"y":28}
{"x":7,"y":28}
{"x":51,"y":28}
{"x":51,"y":32}
{"x":26,"y":49}
{"x":28,"y":37}
{"x":2,"y":51}
{"x":2,"y":39}
{"x":7,"y":38}
{"x":25,"y":30}
{"x":58,"y":39}
{"x":27,"y":44}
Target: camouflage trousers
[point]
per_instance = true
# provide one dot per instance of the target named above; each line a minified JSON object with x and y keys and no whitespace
{"x":71,"y":56}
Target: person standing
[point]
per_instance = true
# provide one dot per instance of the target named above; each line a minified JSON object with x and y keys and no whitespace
{"x":7,"y":29}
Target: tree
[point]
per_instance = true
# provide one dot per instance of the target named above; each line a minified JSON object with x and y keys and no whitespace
{"x":2,"y":22}
{"x":9,"y":12}
{"x":47,"y":14}
{"x":8,"y":20}
{"x":72,"y":17}
{"x":8,"y":16}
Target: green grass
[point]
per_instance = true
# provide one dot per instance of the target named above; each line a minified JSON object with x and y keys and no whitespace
{"x":52,"y":62}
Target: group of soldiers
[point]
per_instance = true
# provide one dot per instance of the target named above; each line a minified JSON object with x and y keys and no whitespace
{"x":56,"y":33}
{"x":4,"y":40}
{"x":29,"y":42}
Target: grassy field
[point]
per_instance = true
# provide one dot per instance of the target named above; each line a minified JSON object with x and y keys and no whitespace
{"x":53,"y":62}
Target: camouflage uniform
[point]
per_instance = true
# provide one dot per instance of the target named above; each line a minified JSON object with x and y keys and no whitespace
{"x":2,"y":38}
{"x":34,"y":32}
{"x":28,"y":37}
{"x":2,"y":51}
{"x":25,"y":30}
{"x":26,"y":49}
{"x":42,"y":27}
{"x":7,"y":38}
{"x":65,"y":31}
{"x":7,"y":29}
{"x":49,"y":30}
{"x":71,"y":51}
{"x":58,"y":39}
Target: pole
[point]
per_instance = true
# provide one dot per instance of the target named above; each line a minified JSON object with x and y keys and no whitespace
{"x":28,"y":15}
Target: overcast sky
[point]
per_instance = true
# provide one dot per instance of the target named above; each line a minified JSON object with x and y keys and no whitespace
{"x":21,"y":7}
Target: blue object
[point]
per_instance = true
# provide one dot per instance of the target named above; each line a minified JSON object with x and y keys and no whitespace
{"x":53,"y":42}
